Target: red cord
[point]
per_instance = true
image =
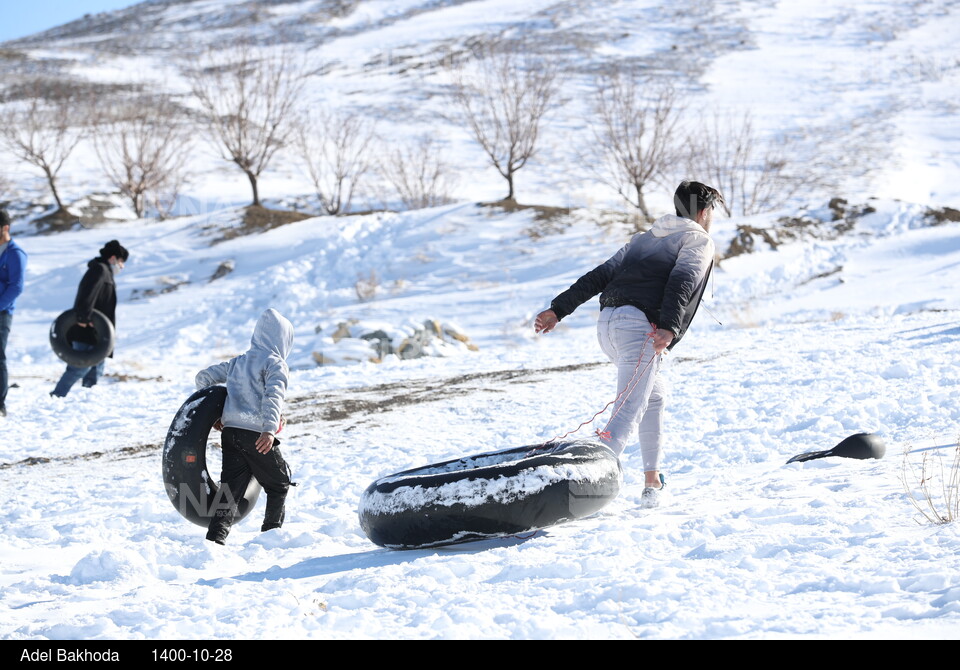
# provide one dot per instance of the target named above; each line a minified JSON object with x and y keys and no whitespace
{"x":521,"y":537}
{"x":631,"y":385}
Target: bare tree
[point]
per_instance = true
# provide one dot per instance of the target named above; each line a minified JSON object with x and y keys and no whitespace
{"x":635,"y":139}
{"x":143,"y":146}
{"x":6,"y":189}
{"x":754,"y":175}
{"x":419,"y":174}
{"x":43,"y":131}
{"x":335,"y":148}
{"x":504,"y":95}
{"x":250,"y":102}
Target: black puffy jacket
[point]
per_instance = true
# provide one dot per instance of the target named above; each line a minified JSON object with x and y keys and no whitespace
{"x":663,"y":272}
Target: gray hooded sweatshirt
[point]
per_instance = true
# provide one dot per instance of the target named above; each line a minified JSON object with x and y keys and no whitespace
{"x":257,"y":380}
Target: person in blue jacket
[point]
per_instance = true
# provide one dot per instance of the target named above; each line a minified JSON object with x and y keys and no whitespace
{"x":13,"y":267}
{"x":97,"y":291}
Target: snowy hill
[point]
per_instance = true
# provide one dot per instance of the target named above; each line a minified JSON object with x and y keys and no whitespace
{"x":867,"y":89}
{"x":848,"y":323}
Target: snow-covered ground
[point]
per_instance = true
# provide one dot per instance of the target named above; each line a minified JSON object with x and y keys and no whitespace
{"x":794,"y":349}
{"x":785,"y":361}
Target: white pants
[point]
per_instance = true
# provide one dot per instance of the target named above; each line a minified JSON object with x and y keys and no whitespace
{"x":626,"y":337}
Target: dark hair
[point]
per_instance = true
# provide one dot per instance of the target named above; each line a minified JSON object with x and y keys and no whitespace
{"x":114,"y":248}
{"x":4,"y":218}
{"x":692,"y":197}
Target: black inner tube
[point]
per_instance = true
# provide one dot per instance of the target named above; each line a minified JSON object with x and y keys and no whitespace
{"x":492,"y":494}
{"x":190,"y":486}
{"x":62,"y":346}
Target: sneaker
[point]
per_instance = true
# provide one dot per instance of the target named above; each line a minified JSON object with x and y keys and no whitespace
{"x":651,"y":497}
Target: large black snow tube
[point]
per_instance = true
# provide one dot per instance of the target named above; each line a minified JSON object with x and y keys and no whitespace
{"x":495,"y":494}
{"x":106,"y":337}
{"x":190,"y":486}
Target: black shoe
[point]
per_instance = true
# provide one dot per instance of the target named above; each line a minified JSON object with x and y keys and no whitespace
{"x":273,"y":523}
{"x":3,"y":411}
{"x":274,"y":514}
{"x":217,"y":535}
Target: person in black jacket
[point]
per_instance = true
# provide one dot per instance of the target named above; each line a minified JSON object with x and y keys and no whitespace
{"x":97,"y":291}
{"x":649,"y":293}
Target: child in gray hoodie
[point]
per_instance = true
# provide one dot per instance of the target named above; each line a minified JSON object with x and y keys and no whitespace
{"x":252,"y":416}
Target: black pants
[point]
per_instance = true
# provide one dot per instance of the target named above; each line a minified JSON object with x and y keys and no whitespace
{"x":241,"y":461}
{"x":6,"y":319}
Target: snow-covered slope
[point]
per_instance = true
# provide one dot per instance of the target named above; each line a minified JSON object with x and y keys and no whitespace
{"x":782,"y":361}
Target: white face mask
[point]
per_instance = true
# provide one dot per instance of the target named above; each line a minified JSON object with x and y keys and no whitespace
{"x":116,"y":266}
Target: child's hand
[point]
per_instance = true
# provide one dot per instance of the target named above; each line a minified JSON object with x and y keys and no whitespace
{"x":218,"y":424}
{"x":264,"y":443}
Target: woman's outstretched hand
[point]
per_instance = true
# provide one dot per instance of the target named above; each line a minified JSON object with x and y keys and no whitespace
{"x":546,"y":321}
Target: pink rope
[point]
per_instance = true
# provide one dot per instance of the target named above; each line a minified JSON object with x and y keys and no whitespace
{"x":631,"y":385}
{"x":527,"y":537}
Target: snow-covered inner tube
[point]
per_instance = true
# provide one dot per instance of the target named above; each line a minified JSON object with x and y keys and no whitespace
{"x":191,"y":488}
{"x":495,"y":494}
{"x":63,"y":348}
